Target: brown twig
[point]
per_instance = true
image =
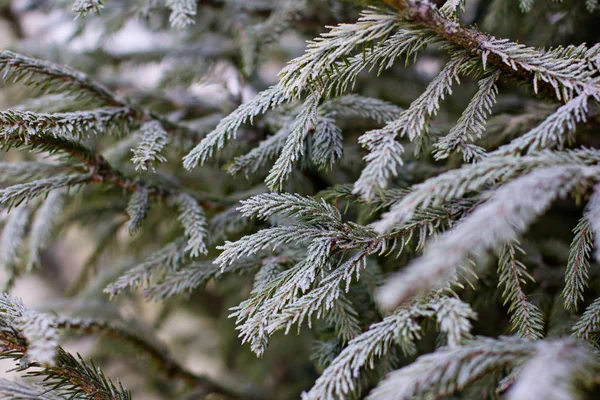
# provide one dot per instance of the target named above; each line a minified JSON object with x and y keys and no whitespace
{"x":427,"y":15}
{"x":166,"y":364}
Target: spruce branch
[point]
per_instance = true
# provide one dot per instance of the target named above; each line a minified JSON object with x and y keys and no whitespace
{"x":559,"y":370}
{"x":50,"y":77}
{"x":385,"y":153}
{"x":471,"y":124}
{"x":451,"y":369}
{"x":526,"y":318}
{"x":182,"y":12}
{"x":328,"y":143}
{"x":38,"y":329}
{"x":19,"y":172}
{"x":168,"y":258}
{"x":457,"y":183}
{"x":151,"y":146}
{"x":193,"y":220}
{"x":561,"y":78}
{"x":293,"y":149}
{"x":258,"y":157}
{"x":11,"y":240}
{"x":22,"y":193}
{"x":588,"y":326}
{"x":403,"y":328}
{"x":228,"y":127}
{"x":75,"y":125}
{"x":554,"y":131}
{"x":137,"y":208}
{"x":353,"y":105}
{"x":155,"y":351}
{"x":576,"y":274}
{"x":592,"y":215}
{"x":42,"y":225}
{"x":11,"y":390}
{"x":509,"y":212}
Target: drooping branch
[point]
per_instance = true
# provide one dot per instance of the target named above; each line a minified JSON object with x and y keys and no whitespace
{"x":159,"y":356}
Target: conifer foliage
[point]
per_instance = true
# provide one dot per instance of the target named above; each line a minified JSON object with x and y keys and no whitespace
{"x":410,"y":209}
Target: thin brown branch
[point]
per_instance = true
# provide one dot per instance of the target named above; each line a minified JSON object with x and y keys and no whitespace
{"x":427,"y":15}
{"x":169,"y":367}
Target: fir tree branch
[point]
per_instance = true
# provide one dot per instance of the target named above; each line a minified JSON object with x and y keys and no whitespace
{"x":451,"y":369}
{"x":559,"y":78}
{"x":576,"y":274}
{"x":512,"y":208}
{"x":526,"y":318}
{"x":51,"y":77}
{"x":31,"y":338}
{"x":159,"y":356}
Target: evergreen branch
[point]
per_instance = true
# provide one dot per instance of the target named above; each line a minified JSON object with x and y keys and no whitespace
{"x":471,"y":124}
{"x":193,"y":220}
{"x":327,"y":143}
{"x":18,"y":172}
{"x":352,"y":105}
{"x":24,"y":192}
{"x":293,"y":148}
{"x":259,"y":36}
{"x":50,"y":77}
{"x":340,"y":41}
{"x":402,"y":328}
{"x":263,"y":239}
{"x":281,"y":304}
{"x":459,"y":182}
{"x":559,"y":370}
{"x":307,"y":73}
{"x":454,"y":318}
{"x":159,"y":356}
{"x":525,"y":317}
{"x":268,"y":149}
{"x":38,"y":329}
{"x":343,"y":317}
{"x":576,"y":273}
{"x":11,"y":240}
{"x":592,"y":215}
{"x":561,"y":78}
{"x":76,"y":378}
{"x":182,"y":12}
{"x":43,"y":222}
{"x":75,"y":125}
{"x":183,"y":281}
{"x":320,"y":300}
{"x":385,"y":157}
{"x":588,"y":326}
{"x":150,"y":148}
{"x":555,"y":130}
{"x":269,"y":271}
{"x":309,"y":210}
{"x":451,"y":8}
{"x":11,"y":390}
{"x":509,"y":212}
{"x":137,"y":209}
{"x":168,"y":258}
{"x":228,"y":127}
{"x":450,"y":369}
